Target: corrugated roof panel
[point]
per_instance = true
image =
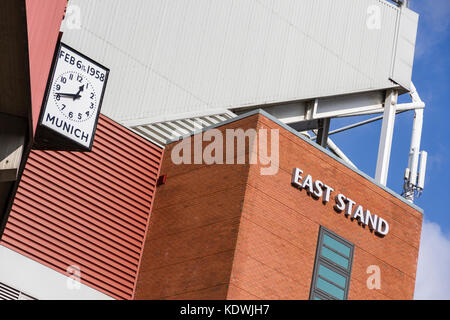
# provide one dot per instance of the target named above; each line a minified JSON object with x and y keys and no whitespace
{"x":88,"y":210}
{"x":162,"y":132}
{"x":183,"y":57}
{"x":404,"y":51}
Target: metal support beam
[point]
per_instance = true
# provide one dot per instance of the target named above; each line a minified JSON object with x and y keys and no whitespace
{"x":335,"y":149}
{"x":338,"y":152}
{"x":358,"y":124}
{"x":400,"y":108}
{"x":13,"y":132}
{"x":305,"y":125}
{"x":322,"y":134}
{"x":387,"y":130}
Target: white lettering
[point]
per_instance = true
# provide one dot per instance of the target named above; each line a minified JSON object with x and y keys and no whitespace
{"x":318,"y":191}
{"x":350,"y":203}
{"x":342,"y":203}
{"x":307,"y":184}
{"x":383,"y":227}
{"x":358,"y":214}
{"x":296,"y":178}
{"x":371,"y":221}
{"x":328,"y":191}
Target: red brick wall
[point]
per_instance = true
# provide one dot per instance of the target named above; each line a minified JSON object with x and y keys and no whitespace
{"x":227,"y":232}
{"x":191,"y":240}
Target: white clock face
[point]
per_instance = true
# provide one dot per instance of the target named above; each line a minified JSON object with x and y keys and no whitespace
{"x":74,"y":97}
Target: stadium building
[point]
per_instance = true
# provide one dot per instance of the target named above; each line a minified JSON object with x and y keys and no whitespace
{"x":182,"y":150}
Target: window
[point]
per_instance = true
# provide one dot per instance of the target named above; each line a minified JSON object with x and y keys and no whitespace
{"x":333,"y":267}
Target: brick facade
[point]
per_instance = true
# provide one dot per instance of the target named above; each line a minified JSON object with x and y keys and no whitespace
{"x":228,"y":232}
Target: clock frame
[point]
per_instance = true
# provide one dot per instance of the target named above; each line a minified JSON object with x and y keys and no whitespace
{"x":72,"y":102}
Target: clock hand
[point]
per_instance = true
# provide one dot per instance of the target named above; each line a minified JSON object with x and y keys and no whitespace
{"x":77,"y":95}
{"x":73,"y":95}
{"x":66,"y":94}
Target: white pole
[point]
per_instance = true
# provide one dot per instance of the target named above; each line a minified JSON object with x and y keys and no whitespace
{"x":415,"y":145}
{"x":423,"y":169}
{"x":415,"y":137}
{"x":387,"y":131}
{"x":411,"y":181}
{"x":336,"y":150}
{"x":333,"y":147}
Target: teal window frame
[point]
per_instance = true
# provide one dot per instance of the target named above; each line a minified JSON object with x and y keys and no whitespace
{"x":332,"y":267}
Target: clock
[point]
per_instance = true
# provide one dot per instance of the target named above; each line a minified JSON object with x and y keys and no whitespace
{"x":75,"y":96}
{"x":73,"y":99}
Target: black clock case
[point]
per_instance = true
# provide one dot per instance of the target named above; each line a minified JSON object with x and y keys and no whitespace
{"x":48,"y":139}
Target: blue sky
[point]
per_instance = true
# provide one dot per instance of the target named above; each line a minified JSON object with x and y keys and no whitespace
{"x":431,"y":76}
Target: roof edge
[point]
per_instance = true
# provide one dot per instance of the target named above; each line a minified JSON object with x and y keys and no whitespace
{"x":298,"y":134}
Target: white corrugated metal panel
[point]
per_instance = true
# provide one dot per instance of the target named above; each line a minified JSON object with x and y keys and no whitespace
{"x":404,"y":51}
{"x":163,"y":132}
{"x":190,"y":57}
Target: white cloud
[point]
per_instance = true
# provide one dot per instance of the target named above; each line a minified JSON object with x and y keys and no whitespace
{"x":433,"y":273}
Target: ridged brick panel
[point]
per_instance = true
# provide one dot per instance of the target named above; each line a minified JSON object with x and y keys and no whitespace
{"x":88,"y":210}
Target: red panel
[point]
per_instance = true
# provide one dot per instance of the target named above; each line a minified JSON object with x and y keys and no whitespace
{"x":43,"y":23}
{"x":89,"y":209}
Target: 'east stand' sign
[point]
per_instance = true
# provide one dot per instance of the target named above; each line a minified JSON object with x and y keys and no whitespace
{"x":72,"y":104}
{"x":318,"y":190}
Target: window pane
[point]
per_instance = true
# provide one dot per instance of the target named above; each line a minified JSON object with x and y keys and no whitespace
{"x":331,"y":278}
{"x":339,"y":247}
{"x":331,"y":275}
{"x":333,"y":256}
{"x":330,"y":288}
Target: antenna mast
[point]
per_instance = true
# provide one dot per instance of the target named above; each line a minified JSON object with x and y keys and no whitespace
{"x":413,"y":182}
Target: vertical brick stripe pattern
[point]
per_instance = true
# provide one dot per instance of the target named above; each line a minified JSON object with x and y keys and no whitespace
{"x":88,"y":210}
{"x":44,"y":20}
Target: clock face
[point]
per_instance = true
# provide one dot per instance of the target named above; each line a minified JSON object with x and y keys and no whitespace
{"x":75,"y":96}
